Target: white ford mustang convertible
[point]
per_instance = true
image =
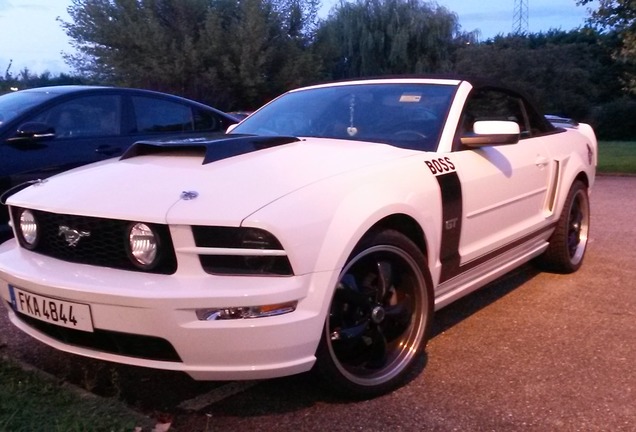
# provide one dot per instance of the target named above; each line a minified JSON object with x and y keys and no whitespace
{"x":320,"y":233}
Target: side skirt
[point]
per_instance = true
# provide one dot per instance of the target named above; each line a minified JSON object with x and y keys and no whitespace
{"x":478,"y":276}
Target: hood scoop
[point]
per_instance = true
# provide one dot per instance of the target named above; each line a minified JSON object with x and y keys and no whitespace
{"x":213,"y":149}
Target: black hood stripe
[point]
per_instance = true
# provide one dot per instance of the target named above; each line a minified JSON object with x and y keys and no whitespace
{"x":214,"y":150}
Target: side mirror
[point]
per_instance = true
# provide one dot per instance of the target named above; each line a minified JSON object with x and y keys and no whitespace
{"x":231,"y":127}
{"x":492,"y":132}
{"x":33,"y":131}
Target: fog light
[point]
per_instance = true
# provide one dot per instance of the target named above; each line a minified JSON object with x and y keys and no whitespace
{"x":245,"y":312}
{"x":143,"y":245}
{"x":28,"y":229}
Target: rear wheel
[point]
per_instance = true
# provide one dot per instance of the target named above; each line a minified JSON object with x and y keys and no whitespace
{"x":569,"y":240}
{"x":379,"y":317}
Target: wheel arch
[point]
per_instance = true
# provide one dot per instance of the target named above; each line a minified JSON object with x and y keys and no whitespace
{"x":582,"y":176}
{"x":403,"y":224}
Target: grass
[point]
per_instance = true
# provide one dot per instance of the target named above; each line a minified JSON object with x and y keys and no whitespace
{"x":30,"y":401}
{"x":617,"y":157}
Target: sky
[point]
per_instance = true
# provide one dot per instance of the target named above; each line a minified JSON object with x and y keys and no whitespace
{"x":31,"y":35}
{"x":493,"y":17}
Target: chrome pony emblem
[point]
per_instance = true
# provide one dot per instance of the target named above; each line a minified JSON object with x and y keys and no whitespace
{"x":189,"y":195}
{"x":72,"y":236}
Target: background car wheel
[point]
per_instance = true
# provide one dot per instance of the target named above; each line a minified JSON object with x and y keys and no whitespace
{"x":379,"y":317}
{"x":569,"y":240}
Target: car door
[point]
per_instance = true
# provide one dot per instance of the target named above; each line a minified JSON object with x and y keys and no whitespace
{"x":504,"y":187}
{"x":81,"y":130}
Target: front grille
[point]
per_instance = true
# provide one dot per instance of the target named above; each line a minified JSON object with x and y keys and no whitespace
{"x":126,"y":344}
{"x":105,"y":246}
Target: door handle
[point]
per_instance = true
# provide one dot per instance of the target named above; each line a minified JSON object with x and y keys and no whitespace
{"x":542,"y":162}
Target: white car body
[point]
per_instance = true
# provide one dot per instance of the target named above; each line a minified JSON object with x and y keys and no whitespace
{"x":478,"y":213}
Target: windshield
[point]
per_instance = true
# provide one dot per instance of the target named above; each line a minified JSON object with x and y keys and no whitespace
{"x":14,"y":104}
{"x":404,"y":115}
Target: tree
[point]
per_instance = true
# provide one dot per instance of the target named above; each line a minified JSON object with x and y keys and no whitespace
{"x":619,"y":16}
{"x":224,"y":52}
{"x":379,"y":37}
{"x":258,"y":49}
{"x":567,"y":73}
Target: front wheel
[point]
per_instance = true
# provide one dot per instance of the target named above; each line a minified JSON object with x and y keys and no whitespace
{"x":569,"y":240}
{"x":379,"y":317}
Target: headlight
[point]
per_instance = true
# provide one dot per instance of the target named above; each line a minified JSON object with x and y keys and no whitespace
{"x":253,"y":238}
{"x":28,"y":229}
{"x":143,"y":245}
{"x":241,"y":251}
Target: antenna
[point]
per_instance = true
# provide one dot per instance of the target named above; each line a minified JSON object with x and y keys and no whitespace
{"x":520,"y":17}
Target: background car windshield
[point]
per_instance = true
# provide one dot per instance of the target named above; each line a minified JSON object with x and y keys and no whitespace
{"x":404,"y":115}
{"x":14,"y":104}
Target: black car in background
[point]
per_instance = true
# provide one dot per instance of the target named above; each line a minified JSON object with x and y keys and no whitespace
{"x":47,"y":130}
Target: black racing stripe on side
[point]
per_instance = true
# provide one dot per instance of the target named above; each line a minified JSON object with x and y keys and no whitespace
{"x":213,"y":149}
{"x":451,"y":189}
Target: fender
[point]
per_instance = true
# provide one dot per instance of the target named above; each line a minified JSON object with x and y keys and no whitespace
{"x":347,"y":213}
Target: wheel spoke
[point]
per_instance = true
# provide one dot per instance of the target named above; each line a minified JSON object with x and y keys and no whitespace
{"x":363,"y":346}
{"x":350,"y":334}
{"x":352,"y":298}
{"x":349,"y":282}
{"x":385,"y":280}
{"x":377,"y":350}
{"x":397,"y":319}
{"x":349,"y":321}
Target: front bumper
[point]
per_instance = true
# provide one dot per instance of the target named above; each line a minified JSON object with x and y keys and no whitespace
{"x":162,"y":307}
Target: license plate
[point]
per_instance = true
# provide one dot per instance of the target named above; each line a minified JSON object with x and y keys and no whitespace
{"x":51,"y":310}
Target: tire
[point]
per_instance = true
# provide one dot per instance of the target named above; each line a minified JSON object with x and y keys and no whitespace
{"x":377,"y":328}
{"x":568,"y":243}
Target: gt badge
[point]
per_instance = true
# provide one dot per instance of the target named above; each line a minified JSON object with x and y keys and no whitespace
{"x":451,"y":223}
{"x":72,"y":236}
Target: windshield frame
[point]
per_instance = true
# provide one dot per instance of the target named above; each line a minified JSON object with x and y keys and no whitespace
{"x":403,"y":113}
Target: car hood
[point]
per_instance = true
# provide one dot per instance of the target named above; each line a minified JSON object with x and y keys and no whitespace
{"x":176,"y":186}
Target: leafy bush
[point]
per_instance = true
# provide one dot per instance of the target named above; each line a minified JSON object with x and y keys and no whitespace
{"x":615,"y":120}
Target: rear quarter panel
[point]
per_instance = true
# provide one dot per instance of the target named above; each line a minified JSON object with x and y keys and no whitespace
{"x":574,"y":153}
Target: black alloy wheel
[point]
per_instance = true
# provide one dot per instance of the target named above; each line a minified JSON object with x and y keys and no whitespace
{"x":379,"y":317}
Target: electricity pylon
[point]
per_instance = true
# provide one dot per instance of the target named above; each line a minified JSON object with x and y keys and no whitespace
{"x":520,"y":17}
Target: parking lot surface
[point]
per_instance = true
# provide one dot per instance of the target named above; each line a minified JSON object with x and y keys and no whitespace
{"x":532,"y":351}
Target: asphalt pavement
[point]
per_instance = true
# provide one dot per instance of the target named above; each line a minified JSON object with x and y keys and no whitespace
{"x":530,"y":352}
